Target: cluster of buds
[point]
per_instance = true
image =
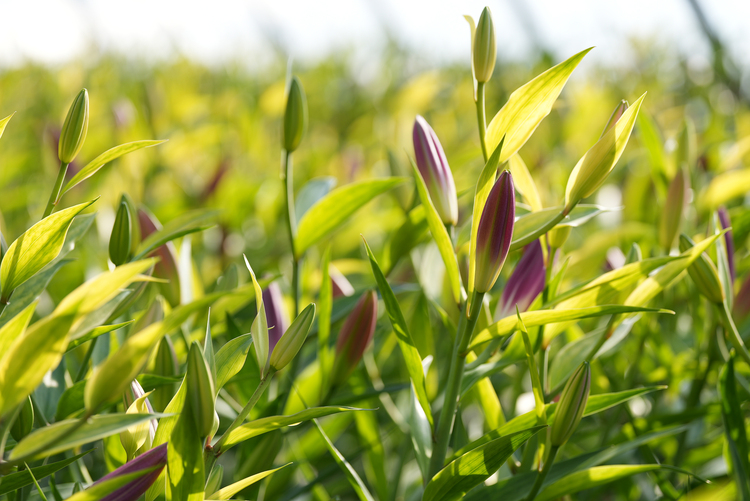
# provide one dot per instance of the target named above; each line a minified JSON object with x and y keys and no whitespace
{"x":495,"y":232}
{"x":525,"y":283}
{"x":571,"y":406}
{"x":433,"y":166}
{"x":355,"y":336}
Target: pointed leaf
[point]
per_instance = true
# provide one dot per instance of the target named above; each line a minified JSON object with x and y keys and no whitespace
{"x":230,"y":490}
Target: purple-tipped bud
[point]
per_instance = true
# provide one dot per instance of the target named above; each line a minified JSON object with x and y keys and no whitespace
{"x":435,"y":171}
{"x":495,"y":232}
{"x":355,"y":336}
{"x":166,"y":268}
{"x":524,"y":284}
{"x":155,"y":458}
{"x":278,"y":320}
{"x":341,"y":286}
{"x":729,"y":239}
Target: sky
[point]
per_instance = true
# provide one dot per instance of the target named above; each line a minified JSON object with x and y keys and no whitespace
{"x":214,"y":32}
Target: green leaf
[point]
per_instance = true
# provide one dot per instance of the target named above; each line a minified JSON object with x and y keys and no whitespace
{"x":190,"y":222}
{"x":595,"y":404}
{"x":185,"y":468}
{"x":650,"y":136}
{"x":15,"y":327}
{"x":325,"y":308}
{"x":734,"y":429}
{"x":311,"y":193}
{"x":230,"y":358}
{"x":93,"y":167}
{"x":230,"y":490}
{"x":36,"y":248}
{"x":527,"y":227}
{"x":259,"y":329}
{"x":723,"y":188}
{"x":164,"y":432}
{"x":264,"y":425}
{"x":4,"y":123}
{"x":592,"y":477}
{"x":474,"y":467}
{"x":507,"y":325}
{"x":524,"y":183}
{"x":102,"y":489}
{"x":411,"y":233}
{"x":527,"y":107}
{"x":71,"y":433}
{"x":331,"y":211}
{"x":408,"y":349}
{"x":71,"y":401}
{"x":440,"y":235}
{"x":351,"y":475}
{"x":15,"y":481}
{"x":95,"y":333}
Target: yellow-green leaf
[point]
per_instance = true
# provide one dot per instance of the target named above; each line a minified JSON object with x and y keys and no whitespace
{"x":230,"y":490}
{"x":524,"y":182}
{"x":4,"y":123}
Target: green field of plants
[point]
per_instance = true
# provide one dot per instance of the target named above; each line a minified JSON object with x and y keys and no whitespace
{"x":489,"y":280}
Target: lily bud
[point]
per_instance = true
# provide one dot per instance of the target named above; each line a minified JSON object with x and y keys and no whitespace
{"x":524,"y":284}
{"x":213,"y":484}
{"x":355,"y":336}
{"x":166,"y":268}
{"x":136,"y":436}
{"x":155,"y":458}
{"x":74,"y":128}
{"x":435,"y":171}
{"x":728,"y":239}
{"x":685,"y":154}
{"x":485,"y":47}
{"x":572,"y":403}
{"x":615,"y":116}
{"x":24,"y":422}
{"x":495,"y":232}
{"x":295,"y":116}
{"x":741,"y":306}
{"x":278,"y":320}
{"x":119,"y":241}
{"x":293,"y":339}
{"x":558,"y":235}
{"x":165,"y":364}
{"x":671,"y":216}
{"x":340,"y":285}
{"x":200,"y":391}
{"x":704,"y":273}
{"x":132,"y":395}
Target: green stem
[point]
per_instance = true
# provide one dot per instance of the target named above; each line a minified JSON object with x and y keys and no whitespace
{"x":731,"y":330}
{"x":481,"y":119}
{"x":527,"y":239}
{"x":543,"y":474}
{"x":291,"y":223}
{"x":85,"y":363}
{"x":54,"y":197}
{"x":453,"y":389}
{"x":264,"y":382}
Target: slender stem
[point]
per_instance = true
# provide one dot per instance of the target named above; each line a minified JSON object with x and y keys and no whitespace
{"x":481,"y":119}
{"x":731,"y":331}
{"x":543,"y":474}
{"x":264,"y":382}
{"x":291,"y":223}
{"x":453,"y":389}
{"x":527,"y":239}
{"x":54,"y":197}
{"x":85,"y":363}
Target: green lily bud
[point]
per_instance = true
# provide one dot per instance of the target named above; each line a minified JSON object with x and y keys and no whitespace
{"x":295,"y":116}
{"x":74,"y":128}
{"x":671,"y":216}
{"x":291,"y":342}
{"x":136,"y":436}
{"x":119,"y":241}
{"x":572,"y":403}
{"x":213,"y":483}
{"x":485,"y":47}
{"x":135,"y":227}
{"x":558,"y":236}
{"x":165,"y":364}
{"x":200,"y":390}
{"x":24,"y":421}
{"x":615,"y":116}
{"x":704,"y":274}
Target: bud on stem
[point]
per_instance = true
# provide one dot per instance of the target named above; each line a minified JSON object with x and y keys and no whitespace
{"x":355,"y":336}
{"x":200,"y":391}
{"x":119,"y":240}
{"x":495,"y":232}
{"x":571,"y":406}
{"x":293,"y":339}
{"x":485,"y":47}
{"x":74,"y":128}
{"x":525,"y":283}
{"x":295,"y":116}
{"x":435,"y":171}
{"x":704,"y":274}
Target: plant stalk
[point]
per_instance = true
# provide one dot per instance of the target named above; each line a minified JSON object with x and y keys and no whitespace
{"x":54,"y":197}
{"x":481,"y":119}
{"x":291,"y":223}
{"x":453,"y":390}
{"x":245,"y":411}
{"x":543,"y":474}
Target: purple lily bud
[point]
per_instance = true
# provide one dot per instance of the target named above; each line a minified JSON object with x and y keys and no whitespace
{"x":729,"y":239}
{"x":355,"y":336}
{"x":435,"y":171}
{"x":166,"y":268}
{"x":524,"y":284}
{"x":495,"y":232}
{"x":276,"y":315}
{"x":341,"y":286}
{"x":156,"y":457}
{"x":741,"y":307}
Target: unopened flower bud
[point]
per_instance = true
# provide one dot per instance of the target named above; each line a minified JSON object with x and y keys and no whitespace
{"x":200,"y":391}
{"x":435,"y":171}
{"x":726,"y":223}
{"x":138,"y":435}
{"x":571,"y":406}
{"x":615,"y":116}
{"x":120,"y":240}
{"x":355,"y":336}
{"x":74,"y":128}
{"x":558,"y":235}
{"x":154,"y":458}
{"x":524,"y":284}
{"x":165,"y":364}
{"x":485,"y":47}
{"x":495,"y":232}
{"x":293,"y":339}
{"x":671,"y":216}
{"x":704,"y":273}
{"x":276,"y":316}
{"x":24,"y":421}
{"x":295,"y":116}
{"x":339,"y":283}
{"x":685,"y":154}
{"x":166,"y":268}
